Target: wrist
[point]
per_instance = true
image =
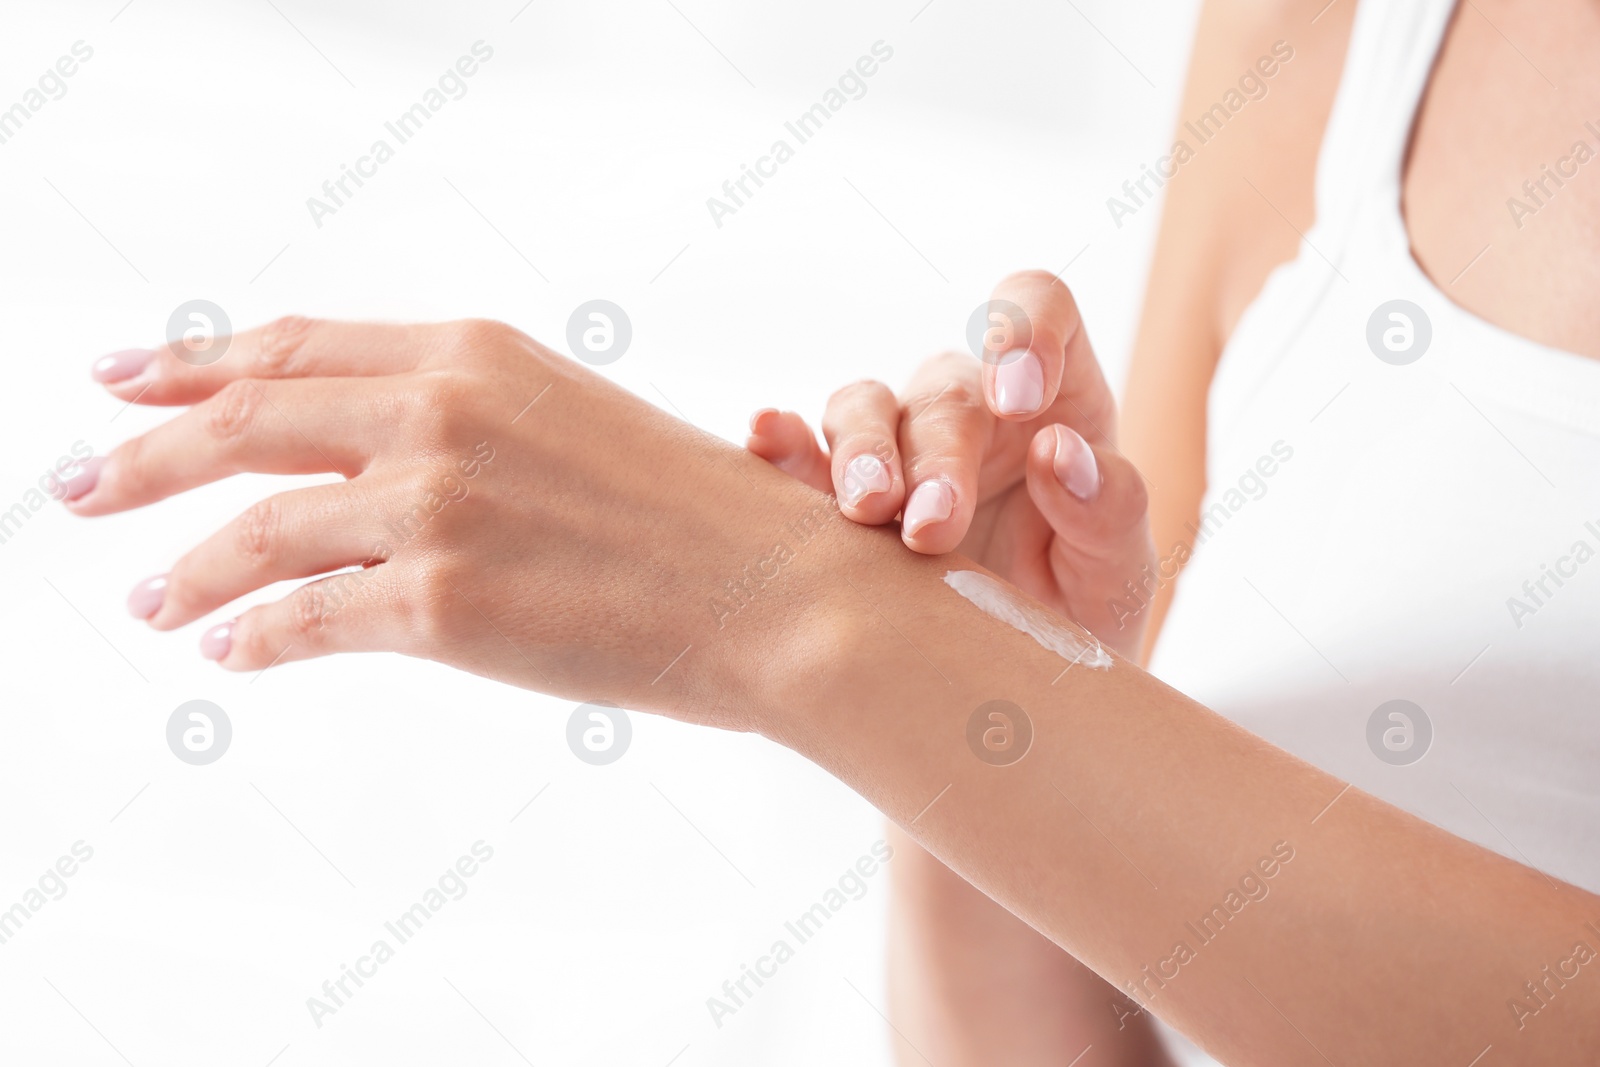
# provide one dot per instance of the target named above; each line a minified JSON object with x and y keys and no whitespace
{"x":835,"y":633}
{"x":782,"y":612}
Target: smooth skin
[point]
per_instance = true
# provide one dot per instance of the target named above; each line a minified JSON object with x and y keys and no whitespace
{"x":542,"y":578}
{"x":970,"y":982}
{"x":1042,"y":497}
{"x":577,"y":566}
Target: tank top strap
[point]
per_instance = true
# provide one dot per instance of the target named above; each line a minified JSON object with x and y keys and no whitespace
{"x":1393,"y":44}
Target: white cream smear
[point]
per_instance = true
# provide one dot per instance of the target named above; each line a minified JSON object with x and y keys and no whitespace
{"x":998,"y":602}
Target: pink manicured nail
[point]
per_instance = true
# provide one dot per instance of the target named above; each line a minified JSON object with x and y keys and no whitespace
{"x":1018,"y":384}
{"x":120,"y":366}
{"x":216,"y":642}
{"x":930,"y":502}
{"x":863,"y":476}
{"x":80,"y":484}
{"x":1075,"y":465}
{"x":147,"y":597}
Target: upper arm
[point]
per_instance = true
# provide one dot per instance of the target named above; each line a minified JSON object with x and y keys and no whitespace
{"x":1234,"y":206}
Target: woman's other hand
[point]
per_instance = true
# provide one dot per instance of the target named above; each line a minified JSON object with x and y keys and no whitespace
{"x":1012,"y":460}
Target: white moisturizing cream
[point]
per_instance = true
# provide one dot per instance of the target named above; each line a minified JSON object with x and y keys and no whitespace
{"x":995,"y":600}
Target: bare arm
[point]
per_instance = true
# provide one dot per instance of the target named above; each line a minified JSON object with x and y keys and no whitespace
{"x":1232,"y":214}
{"x":970,"y":983}
{"x":596,"y":546}
{"x":1258,"y":904}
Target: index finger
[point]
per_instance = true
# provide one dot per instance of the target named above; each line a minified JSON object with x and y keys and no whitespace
{"x":1041,"y":354}
{"x":181,"y":372}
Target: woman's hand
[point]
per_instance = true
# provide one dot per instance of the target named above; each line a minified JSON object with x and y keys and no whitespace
{"x":1011,"y":461}
{"x":508,"y":512}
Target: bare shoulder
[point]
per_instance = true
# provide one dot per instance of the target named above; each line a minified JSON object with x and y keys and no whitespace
{"x":1261,"y":83}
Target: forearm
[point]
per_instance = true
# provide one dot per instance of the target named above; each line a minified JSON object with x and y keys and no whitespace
{"x":971,"y":984}
{"x":1135,"y":814}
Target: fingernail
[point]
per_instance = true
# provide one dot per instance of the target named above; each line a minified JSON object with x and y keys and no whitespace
{"x":1018,"y":383}
{"x":120,"y":366}
{"x":216,"y":642}
{"x":863,"y":476}
{"x":1075,"y":465}
{"x":759,"y":417}
{"x":79,"y":485}
{"x":147,"y":597}
{"x":930,"y":502}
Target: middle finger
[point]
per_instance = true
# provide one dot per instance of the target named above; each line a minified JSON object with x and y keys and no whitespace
{"x":290,"y":426}
{"x":945,"y":430}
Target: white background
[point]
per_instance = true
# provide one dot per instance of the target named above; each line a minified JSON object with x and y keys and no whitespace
{"x":177,"y":166}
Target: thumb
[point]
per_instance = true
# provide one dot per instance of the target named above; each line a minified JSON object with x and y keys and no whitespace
{"x":1095,"y":502}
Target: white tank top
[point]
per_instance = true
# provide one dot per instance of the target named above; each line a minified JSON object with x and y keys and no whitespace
{"x":1378,"y":530}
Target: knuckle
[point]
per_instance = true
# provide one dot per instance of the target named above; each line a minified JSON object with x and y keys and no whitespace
{"x":279,"y":346}
{"x":437,"y":403}
{"x":956,"y":399}
{"x":947,"y":365}
{"x":412,"y":517}
{"x":1138,"y":494}
{"x":468,"y":336}
{"x":865,"y":389}
{"x":434,"y":577}
{"x":258,"y":534}
{"x":255,"y":641}
{"x":309,"y":611}
{"x":1135,"y":501}
{"x":393,"y":406}
{"x":230,"y":412}
{"x":434,"y":611}
{"x":442,"y":392}
{"x":344,"y":589}
{"x":929,"y":466}
{"x":864,"y":407}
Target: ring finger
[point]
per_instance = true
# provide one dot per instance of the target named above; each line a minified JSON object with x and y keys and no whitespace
{"x":945,"y":432}
{"x":291,"y":347}
{"x":297,"y":534}
{"x":264,"y":427}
